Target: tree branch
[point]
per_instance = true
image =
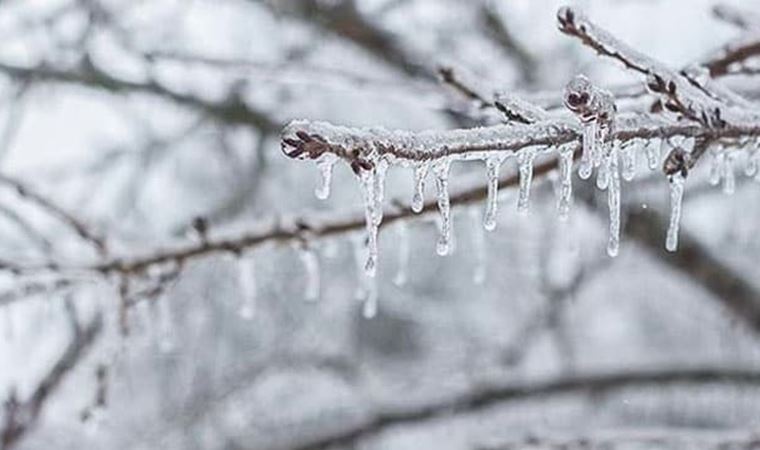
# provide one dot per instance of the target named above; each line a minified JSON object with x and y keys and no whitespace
{"x":488,"y":396}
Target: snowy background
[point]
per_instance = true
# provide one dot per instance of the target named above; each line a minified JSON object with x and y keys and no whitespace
{"x":136,"y":117}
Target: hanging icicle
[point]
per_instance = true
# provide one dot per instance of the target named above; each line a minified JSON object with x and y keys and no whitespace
{"x":717,"y":161}
{"x":628,"y":156}
{"x":492,"y":177}
{"x":652,"y":149}
{"x":613,"y":202}
{"x":750,"y":168}
{"x":677,"y":181}
{"x":441,"y":170}
{"x":372,"y":225}
{"x":728,"y":175}
{"x":418,"y":199}
{"x":325,"y":164}
{"x":566,"y":181}
{"x":589,"y":148}
{"x":525,"y":159}
{"x":369,"y":307}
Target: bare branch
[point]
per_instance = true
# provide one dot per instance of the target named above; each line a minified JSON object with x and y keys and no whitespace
{"x":21,"y":416}
{"x":488,"y":396}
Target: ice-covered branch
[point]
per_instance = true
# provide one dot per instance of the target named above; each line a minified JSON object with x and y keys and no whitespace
{"x":678,"y":94}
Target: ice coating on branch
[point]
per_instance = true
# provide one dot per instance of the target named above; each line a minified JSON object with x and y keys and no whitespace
{"x":418,"y":199}
{"x":247,"y":281}
{"x":566,"y":181}
{"x":441,"y":171}
{"x":677,"y":181}
{"x":492,"y":202}
{"x":517,"y":109}
{"x":628,"y":156}
{"x":402,"y":230}
{"x":325,"y":165}
{"x":310,"y":262}
{"x":596,"y":110}
{"x":613,"y":203}
{"x":677,"y":93}
{"x":361,"y":147}
{"x":525,"y":159}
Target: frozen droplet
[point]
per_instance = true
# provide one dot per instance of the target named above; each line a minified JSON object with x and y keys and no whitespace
{"x":566,"y":181}
{"x":676,"y":199}
{"x":525,"y":159}
{"x":247,"y":280}
{"x":613,"y":203}
{"x":589,"y":149}
{"x":418,"y":199}
{"x":325,"y":165}
{"x":492,"y":176}
{"x":628,"y":154}
{"x":402,"y":230}
{"x":441,"y":170}
{"x":310,"y":263}
{"x":653,"y":154}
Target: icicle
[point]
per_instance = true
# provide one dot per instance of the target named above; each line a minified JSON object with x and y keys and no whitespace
{"x":492,"y":175}
{"x":418,"y":200}
{"x":381,"y":168}
{"x":247,"y":280}
{"x":403,"y":253}
{"x":717,"y":161}
{"x":653,"y":155}
{"x":676,"y":198}
{"x":525,"y":164}
{"x":370,"y":206}
{"x":629,"y":161}
{"x":369,"y":307}
{"x":589,"y":149}
{"x":442,"y":186}
{"x":479,"y":248}
{"x":310,"y":263}
{"x":729,"y":178}
{"x":750,"y":169}
{"x":325,"y":165}
{"x":603,"y":175}
{"x":566,"y":181}
{"x":613,"y":203}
